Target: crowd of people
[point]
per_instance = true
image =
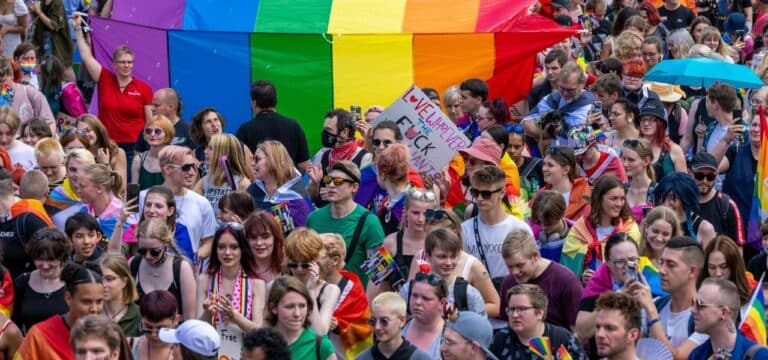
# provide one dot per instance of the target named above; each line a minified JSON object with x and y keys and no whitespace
{"x":610,"y":215}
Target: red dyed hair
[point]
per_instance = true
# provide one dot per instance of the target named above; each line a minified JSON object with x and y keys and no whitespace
{"x":393,"y":163}
{"x":634,"y":67}
{"x":261,"y":222}
{"x":499,"y":110}
{"x":651,"y":12}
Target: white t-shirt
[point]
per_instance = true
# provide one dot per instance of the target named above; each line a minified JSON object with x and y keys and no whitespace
{"x":23,"y":155}
{"x":491,"y":238}
{"x":195,"y":212}
{"x":676,"y":326}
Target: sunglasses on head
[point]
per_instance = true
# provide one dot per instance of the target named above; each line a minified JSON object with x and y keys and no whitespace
{"x":514,"y":128}
{"x":295,"y":265}
{"x":154,"y":252}
{"x":631,"y":143}
{"x":701,"y":176}
{"x":431,"y":279}
{"x":336,"y":180}
{"x":76,"y":132}
{"x":377,"y":142}
{"x":485,"y":194}
{"x":185,"y":167}
{"x":233,"y":226}
{"x":153,"y":131}
{"x":422,"y":195}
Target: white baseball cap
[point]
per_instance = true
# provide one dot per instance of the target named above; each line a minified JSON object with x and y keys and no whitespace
{"x":195,"y":335}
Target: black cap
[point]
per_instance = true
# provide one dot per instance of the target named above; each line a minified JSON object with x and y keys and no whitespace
{"x":564,"y":20}
{"x":654,"y":107}
{"x":561,"y":4}
{"x":703,"y":160}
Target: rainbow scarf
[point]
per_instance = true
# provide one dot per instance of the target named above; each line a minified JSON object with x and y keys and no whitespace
{"x":352,"y":315}
{"x":582,"y":249}
{"x":759,"y":211}
{"x":753,"y":324}
{"x":242,"y":301}
{"x":602,"y":282}
{"x":63,"y":196}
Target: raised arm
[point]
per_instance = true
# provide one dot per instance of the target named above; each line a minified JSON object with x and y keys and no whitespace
{"x":91,"y":65}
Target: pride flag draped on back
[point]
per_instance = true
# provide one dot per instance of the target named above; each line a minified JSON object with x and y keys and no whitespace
{"x":753,"y":324}
{"x":759,"y":211}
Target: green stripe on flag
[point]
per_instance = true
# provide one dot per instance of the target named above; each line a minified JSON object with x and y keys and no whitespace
{"x":294,"y":16}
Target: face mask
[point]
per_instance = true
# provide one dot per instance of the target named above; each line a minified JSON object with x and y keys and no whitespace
{"x":27,"y":68}
{"x":327,"y":139}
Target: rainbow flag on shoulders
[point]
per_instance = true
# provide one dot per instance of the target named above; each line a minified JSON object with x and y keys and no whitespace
{"x":753,"y":322}
{"x":759,"y":211}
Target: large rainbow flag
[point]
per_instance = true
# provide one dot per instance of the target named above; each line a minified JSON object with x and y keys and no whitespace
{"x":753,"y":323}
{"x":324,"y":53}
{"x":759,"y":211}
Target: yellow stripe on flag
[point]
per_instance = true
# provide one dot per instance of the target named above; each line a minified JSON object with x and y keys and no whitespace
{"x":371,"y":69}
{"x":366,"y":16}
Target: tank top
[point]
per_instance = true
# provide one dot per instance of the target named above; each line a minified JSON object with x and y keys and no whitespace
{"x":148,"y":179}
{"x":663,"y":165}
{"x":174,"y":288}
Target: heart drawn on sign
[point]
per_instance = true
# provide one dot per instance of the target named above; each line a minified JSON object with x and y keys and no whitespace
{"x":414,"y":99}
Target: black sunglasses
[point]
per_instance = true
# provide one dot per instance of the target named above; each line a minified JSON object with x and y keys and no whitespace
{"x":631,"y":143}
{"x":377,"y":142}
{"x":185,"y":167}
{"x":233,"y":226}
{"x":153,"y":252}
{"x":437,"y":214}
{"x":383,"y":321}
{"x":701,"y":176}
{"x":485,"y":194}
{"x":295,"y":265}
{"x":431,"y":279}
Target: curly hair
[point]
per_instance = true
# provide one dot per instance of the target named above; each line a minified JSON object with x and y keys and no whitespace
{"x":392,"y":163}
{"x":627,"y":305}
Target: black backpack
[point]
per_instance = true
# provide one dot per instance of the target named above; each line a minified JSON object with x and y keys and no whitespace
{"x":459,"y":294}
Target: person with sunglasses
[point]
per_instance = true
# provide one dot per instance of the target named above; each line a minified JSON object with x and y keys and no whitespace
{"x":526,"y":310}
{"x":679,"y":192}
{"x":561,"y":174}
{"x":716,"y":310}
{"x":362,"y":231}
{"x":306,"y":257}
{"x":388,"y":316}
{"x":158,"y":265}
{"x":159,"y":310}
{"x":180,"y":170}
{"x":229,"y":293}
{"x":408,"y":241}
{"x":716,"y":207}
{"x":278,"y":187}
{"x":145,"y":170}
{"x":427,"y":303}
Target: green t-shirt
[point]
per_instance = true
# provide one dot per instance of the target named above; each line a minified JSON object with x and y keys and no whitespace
{"x":371,"y":236}
{"x":304,"y":347}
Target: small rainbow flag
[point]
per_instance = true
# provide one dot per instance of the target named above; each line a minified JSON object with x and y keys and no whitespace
{"x":541,"y":346}
{"x":759,"y":211}
{"x":563,"y":354}
{"x":753,"y":324}
{"x":379,"y":265}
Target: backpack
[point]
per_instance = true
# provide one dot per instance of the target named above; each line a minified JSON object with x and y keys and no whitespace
{"x":459,"y":294}
{"x":662,"y":301}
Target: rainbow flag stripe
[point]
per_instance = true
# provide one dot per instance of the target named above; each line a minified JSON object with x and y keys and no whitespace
{"x":759,"y":211}
{"x":753,"y":324}
{"x":563,"y":354}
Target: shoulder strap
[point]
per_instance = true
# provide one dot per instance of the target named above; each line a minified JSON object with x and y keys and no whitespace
{"x":20,"y":227}
{"x":356,"y":236}
{"x":479,"y":243}
{"x":317,"y":346}
{"x":460,"y":294}
{"x":319,"y":297}
{"x":359,"y":157}
{"x":324,"y":161}
{"x":177,"y":272}
{"x":135,"y":266}
{"x":725,"y":203}
{"x":399,"y":246}
{"x":661,"y":302}
{"x":752,"y":351}
{"x":343,"y":283}
{"x":408,"y":299}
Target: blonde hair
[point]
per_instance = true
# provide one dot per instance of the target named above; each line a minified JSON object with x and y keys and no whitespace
{"x":172,"y":154}
{"x":336,"y":246}
{"x":390,"y":301}
{"x":10,"y":117}
{"x":658,"y":213}
{"x":279,"y":162}
{"x":120,"y":50}
{"x":156,"y":228}
{"x":712,"y":32}
{"x":117,"y":264}
{"x":163,"y":123}
{"x":304,"y":244}
{"x":644,"y":151}
{"x":102,"y":175}
{"x":519,"y":242}
{"x":102,"y":137}
{"x":47,"y":147}
{"x":625,"y":44}
{"x":226,"y":144}
{"x":82,"y":155}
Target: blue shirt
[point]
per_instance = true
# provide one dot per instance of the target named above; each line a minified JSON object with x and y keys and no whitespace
{"x":704,"y":351}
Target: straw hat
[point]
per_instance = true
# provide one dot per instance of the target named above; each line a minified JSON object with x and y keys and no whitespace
{"x":668,"y":93}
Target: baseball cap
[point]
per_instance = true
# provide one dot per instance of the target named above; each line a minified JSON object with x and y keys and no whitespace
{"x":703,"y":160}
{"x":485,"y":150}
{"x":197,"y":336}
{"x":581,"y":138}
{"x":561,"y":3}
{"x":474,"y":327}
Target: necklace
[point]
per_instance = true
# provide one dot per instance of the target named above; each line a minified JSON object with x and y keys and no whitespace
{"x":116,"y":315}
{"x":154,"y":269}
{"x":170,"y":351}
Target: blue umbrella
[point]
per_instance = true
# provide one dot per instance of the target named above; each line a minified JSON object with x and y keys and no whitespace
{"x":703,"y":72}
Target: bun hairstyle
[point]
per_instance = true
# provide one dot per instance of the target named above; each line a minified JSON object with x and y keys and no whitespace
{"x":73,"y":275}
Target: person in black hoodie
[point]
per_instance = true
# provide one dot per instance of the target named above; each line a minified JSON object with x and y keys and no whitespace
{"x":388,"y":318}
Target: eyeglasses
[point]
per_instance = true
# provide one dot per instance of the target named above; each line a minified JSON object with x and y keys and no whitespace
{"x":701,"y":176}
{"x":514,"y":128}
{"x":422,"y":195}
{"x":648,"y":120}
{"x":624,"y":262}
{"x":295,"y":265}
{"x":699,"y":304}
{"x":518,"y":309}
{"x":185,"y":167}
{"x":75,"y":132}
{"x":154,"y":252}
{"x":383,"y":321}
{"x":233,"y":226}
{"x":336,"y":180}
{"x":378,"y":142}
{"x":153,"y":131}
{"x":431,"y":279}
{"x":485,"y":194}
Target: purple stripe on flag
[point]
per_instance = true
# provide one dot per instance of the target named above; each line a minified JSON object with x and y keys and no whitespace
{"x":164,"y":14}
{"x":150,"y":47}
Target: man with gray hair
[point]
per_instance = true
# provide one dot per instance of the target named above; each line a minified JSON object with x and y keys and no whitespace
{"x":166,"y":102}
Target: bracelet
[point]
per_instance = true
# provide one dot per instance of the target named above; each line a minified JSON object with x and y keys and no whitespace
{"x":651,"y":322}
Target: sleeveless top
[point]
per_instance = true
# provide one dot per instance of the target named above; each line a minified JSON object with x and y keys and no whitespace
{"x":739,"y":182}
{"x":148,"y":179}
{"x":403,"y":261}
{"x":663,"y":165}
{"x":174,"y":288}
{"x":214,"y":193}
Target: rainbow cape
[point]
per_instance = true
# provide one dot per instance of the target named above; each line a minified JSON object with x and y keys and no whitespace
{"x":753,"y":324}
{"x":62,"y":196}
{"x":352,"y":315}
{"x":759,"y":211}
{"x":580,"y":250}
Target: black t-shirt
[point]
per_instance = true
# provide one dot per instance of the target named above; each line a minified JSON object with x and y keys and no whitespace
{"x":181,"y":137}
{"x":15,"y":258}
{"x":722,"y":216}
{"x":269,"y":125}
{"x":757,"y":265}
{"x":682,"y":17}
{"x":31,"y":307}
{"x":539,"y":93}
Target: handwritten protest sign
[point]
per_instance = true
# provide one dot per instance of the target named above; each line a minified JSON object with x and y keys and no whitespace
{"x":431,"y":136}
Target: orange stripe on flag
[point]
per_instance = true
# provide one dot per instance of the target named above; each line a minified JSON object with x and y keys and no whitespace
{"x":440,"y":16}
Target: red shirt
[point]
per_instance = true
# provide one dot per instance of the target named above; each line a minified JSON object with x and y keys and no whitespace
{"x":122,"y":113}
